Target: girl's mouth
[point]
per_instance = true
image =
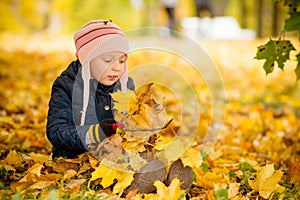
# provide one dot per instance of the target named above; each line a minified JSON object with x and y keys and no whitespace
{"x":112,"y":78}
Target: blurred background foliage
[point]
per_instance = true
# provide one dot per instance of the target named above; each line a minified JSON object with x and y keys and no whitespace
{"x":66,"y":16}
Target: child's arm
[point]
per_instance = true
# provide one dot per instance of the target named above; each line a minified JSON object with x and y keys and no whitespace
{"x":61,"y":129}
{"x":62,"y":132}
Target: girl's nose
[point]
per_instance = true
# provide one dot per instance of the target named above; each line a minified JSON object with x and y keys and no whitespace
{"x":116,"y":66}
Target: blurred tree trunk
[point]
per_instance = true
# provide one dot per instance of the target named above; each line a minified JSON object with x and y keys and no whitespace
{"x":244,"y":13}
{"x":275,"y":19}
{"x":260,"y":5}
{"x":219,"y":7}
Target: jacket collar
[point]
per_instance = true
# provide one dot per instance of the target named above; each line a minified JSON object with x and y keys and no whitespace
{"x":103,"y":89}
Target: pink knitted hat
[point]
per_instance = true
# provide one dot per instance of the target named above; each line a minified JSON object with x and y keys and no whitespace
{"x":93,"y":39}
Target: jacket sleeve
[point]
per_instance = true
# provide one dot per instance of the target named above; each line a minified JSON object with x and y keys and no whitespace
{"x":61,"y":129}
{"x":130,"y":84}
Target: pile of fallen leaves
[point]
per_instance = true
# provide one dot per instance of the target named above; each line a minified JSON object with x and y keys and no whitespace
{"x":146,"y":134}
{"x":145,"y":129}
{"x":256,"y":156}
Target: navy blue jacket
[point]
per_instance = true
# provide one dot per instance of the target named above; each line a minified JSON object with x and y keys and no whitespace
{"x":63,"y":122}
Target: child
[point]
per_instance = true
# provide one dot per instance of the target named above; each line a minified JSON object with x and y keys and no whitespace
{"x":80,"y":96}
{"x":80,"y":106}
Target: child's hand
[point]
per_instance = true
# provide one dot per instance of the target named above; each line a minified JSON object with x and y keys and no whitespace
{"x":104,"y":129}
{"x":107,"y":126}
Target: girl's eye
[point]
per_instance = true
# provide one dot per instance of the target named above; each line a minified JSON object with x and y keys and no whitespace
{"x":123,"y":59}
{"x":107,"y":61}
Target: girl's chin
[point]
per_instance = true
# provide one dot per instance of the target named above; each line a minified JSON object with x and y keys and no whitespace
{"x":108,"y":82}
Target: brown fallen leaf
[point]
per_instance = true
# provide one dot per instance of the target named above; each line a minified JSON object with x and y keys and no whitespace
{"x":294,"y":171}
{"x":75,"y":183}
{"x":69,"y":174}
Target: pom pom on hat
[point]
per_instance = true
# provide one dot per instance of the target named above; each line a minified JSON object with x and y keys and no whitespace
{"x":92,"y":40}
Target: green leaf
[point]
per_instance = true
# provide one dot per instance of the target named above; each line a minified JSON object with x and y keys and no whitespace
{"x":269,"y":66}
{"x":293,"y":22}
{"x":274,"y":51}
{"x":246,"y":174}
{"x":205,"y":167}
{"x":17,"y":197}
{"x":283,"y":48}
{"x":297,"y":70}
{"x":232,"y":175}
{"x":203,"y":155}
{"x":244,"y":166}
{"x":267,"y":51}
{"x":292,"y":3}
{"x":222,"y":194}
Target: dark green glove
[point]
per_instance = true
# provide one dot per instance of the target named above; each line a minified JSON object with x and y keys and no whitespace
{"x":104,"y":129}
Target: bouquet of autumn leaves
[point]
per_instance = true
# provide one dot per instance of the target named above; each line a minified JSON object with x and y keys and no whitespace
{"x":146,"y":134}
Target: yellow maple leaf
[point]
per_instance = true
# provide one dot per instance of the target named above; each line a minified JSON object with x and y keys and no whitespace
{"x":69,"y":174}
{"x":142,"y":97}
{"x":32,"y":176}
{"x":173,"y":150}
{"x":20,"y":186}
{"x":267,"y":181}
{"x":134,"y":146}
{"x":14,"y":158}
{"x":93,"y":161}
{"x":162,"y":142}
{"x":192,"y":158}
{"x":142,"y":117}
{"x":167,"y":193}
{"x":109,"y":174}
{"x":139,"y":106}
{"x":39,"y":185}
{"x":37,"y":157}
{"x":122,"y":100}
{"x":157,"y":116}
{"x":33,"y":173}
{"x":207,"y":180}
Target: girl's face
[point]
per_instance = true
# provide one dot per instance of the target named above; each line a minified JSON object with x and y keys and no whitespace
{"x":114,"y":64}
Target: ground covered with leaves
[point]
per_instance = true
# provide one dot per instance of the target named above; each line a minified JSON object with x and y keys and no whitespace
{"x":256,"y":156}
